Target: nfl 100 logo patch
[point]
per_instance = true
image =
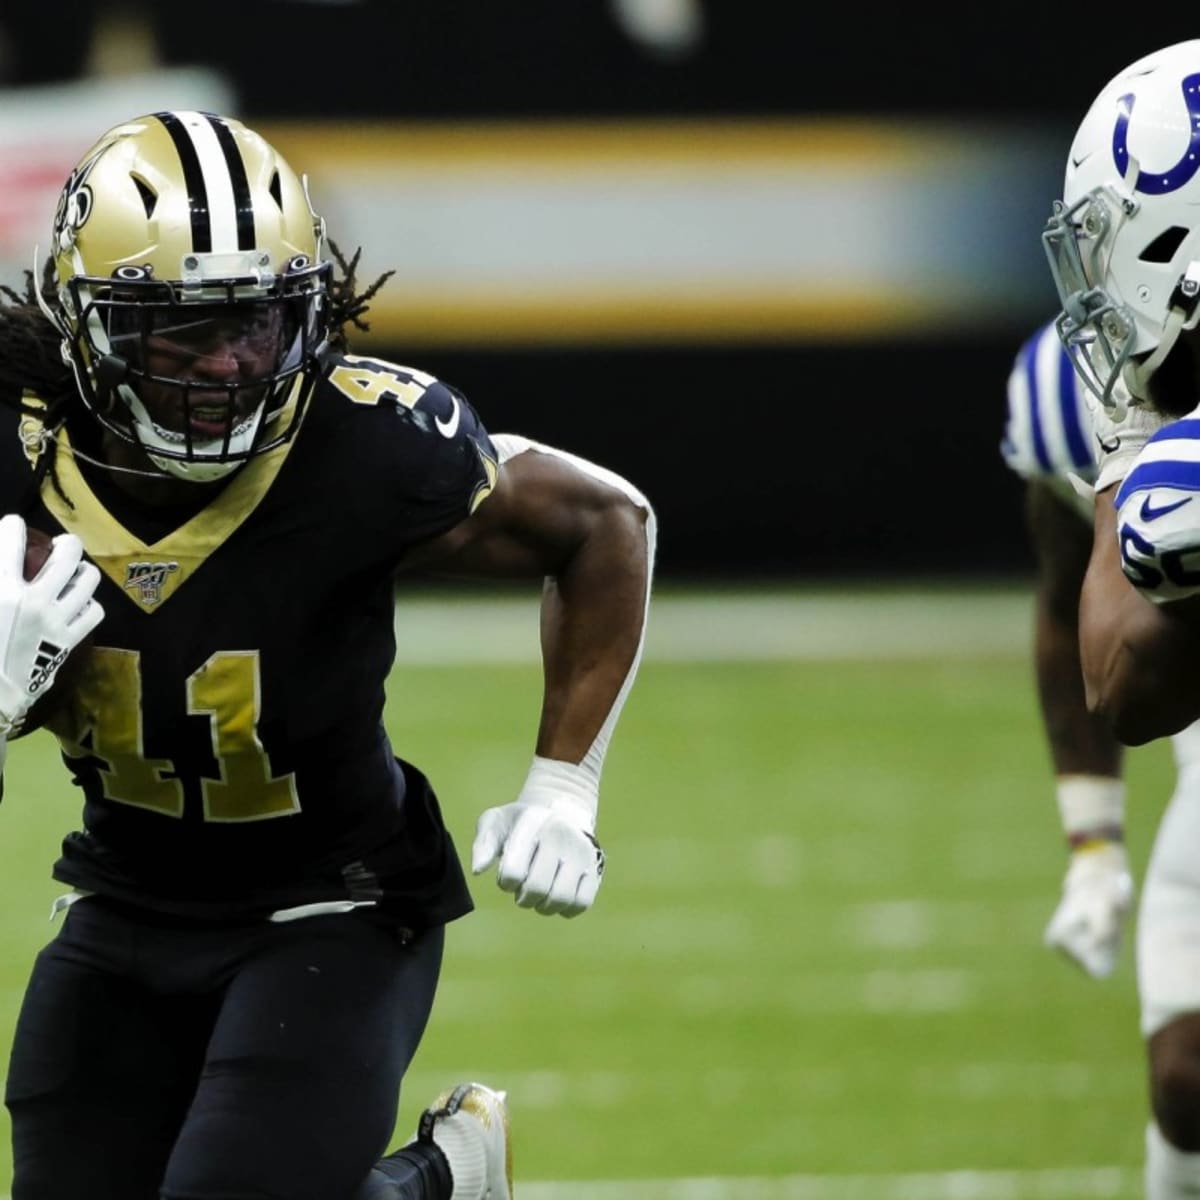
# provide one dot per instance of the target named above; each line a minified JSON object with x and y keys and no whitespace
{"x":146,"y":580}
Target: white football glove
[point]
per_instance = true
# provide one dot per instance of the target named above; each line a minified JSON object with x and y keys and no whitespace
{"x":544,"y":841}
{"x":42,"y":620}
{"x":1097,"y":899}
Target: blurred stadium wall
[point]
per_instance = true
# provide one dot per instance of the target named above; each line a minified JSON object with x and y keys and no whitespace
{"x":776,"y":277}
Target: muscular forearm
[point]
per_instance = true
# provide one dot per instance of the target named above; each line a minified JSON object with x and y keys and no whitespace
{"x":593,"y":612}
{"x":1080,"y":741}
{"x":1141,"y":662}
{"x":590,"y":535}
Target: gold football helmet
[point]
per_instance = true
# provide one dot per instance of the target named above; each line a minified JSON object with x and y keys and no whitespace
{"x":190,"y":290}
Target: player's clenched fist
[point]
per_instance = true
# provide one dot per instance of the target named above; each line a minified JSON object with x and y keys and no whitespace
{"x":1096,"y":900}
{"x":543,"y":842}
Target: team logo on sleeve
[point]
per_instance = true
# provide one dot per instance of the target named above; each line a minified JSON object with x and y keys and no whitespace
{"x":485,"y":487}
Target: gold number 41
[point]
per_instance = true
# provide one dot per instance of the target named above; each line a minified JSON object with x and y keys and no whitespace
{"x":107,"y":703}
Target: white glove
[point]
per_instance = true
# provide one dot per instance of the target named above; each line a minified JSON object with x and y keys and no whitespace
{"x":1097,"y":899}
{"x":545,"y":840}
{"x":42,"y":620}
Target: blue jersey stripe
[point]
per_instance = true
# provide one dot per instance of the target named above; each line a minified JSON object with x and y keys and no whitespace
{"x":1068,"y":402}
{"x":1179,"y":431}
{"x":1029,"y":366}
{"x":1174,"y":474}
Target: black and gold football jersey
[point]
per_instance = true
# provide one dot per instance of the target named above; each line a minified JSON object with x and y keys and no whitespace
{"x":226,"y":725}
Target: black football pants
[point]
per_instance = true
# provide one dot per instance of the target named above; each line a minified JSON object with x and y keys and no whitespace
{"x":214,"y":1062}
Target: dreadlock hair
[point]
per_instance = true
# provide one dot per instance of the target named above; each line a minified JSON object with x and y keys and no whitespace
{"x":345,"y":307}
{"x":31,"y":361}
{"x":31,"y":356}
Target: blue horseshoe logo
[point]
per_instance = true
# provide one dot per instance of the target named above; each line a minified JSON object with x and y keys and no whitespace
{"x":1181,"y":173}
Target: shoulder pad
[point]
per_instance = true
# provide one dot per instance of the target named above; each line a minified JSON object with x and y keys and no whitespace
{"x":1158,"y":515}
{"x":422,"y":436}
{"x":430,"y":405}
{"x":1048,"y":431}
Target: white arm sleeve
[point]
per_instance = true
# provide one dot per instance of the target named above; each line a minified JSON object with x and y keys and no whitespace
{"x":509,"y":445}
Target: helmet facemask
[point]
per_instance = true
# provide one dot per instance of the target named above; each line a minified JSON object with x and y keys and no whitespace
{"x":199,"y":374}
{"x":1097,"y":331}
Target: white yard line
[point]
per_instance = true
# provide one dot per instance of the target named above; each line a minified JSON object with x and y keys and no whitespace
{"x":803,"y":624}
{"x":1064,"y":1183}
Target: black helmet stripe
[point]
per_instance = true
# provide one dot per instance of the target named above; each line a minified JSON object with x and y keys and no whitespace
{"x":241,"y":185}
{"x":215,"y":177}
{"x":193,"y":177}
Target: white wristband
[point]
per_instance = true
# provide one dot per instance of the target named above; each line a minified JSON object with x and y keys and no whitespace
{"x":1091,"y":804}
{"x":551,"y":781}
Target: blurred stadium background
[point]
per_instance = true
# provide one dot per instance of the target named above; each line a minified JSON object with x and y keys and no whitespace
{"x":776,"y":276}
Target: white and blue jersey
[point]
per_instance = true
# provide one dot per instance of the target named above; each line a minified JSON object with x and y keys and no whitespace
{"x":1158,"y":514}
{"x":1049,"y":437}
{"x":1048,"y":434}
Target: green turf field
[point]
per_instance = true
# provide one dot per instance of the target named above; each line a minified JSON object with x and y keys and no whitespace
{"x":816,"y":956}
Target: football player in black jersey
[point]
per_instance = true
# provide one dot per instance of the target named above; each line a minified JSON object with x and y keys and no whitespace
{"x":253,"y":927}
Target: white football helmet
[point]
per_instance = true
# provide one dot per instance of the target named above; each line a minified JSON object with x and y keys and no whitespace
{"x":190,"y":289}
{"x":1124,"y":241}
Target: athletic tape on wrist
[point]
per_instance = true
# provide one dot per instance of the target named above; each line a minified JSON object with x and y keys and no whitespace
{"x":1091,"y":806}
{"x":556,"y":778}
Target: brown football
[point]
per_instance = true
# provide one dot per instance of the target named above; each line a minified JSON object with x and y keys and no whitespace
{"x":38,"y":545}
{"x":37,"y":550}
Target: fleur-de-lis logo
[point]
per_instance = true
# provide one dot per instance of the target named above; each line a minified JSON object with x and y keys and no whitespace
{"x":74,"y":203}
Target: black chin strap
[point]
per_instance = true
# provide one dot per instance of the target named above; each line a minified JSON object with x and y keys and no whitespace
{"x":111,"y":371}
